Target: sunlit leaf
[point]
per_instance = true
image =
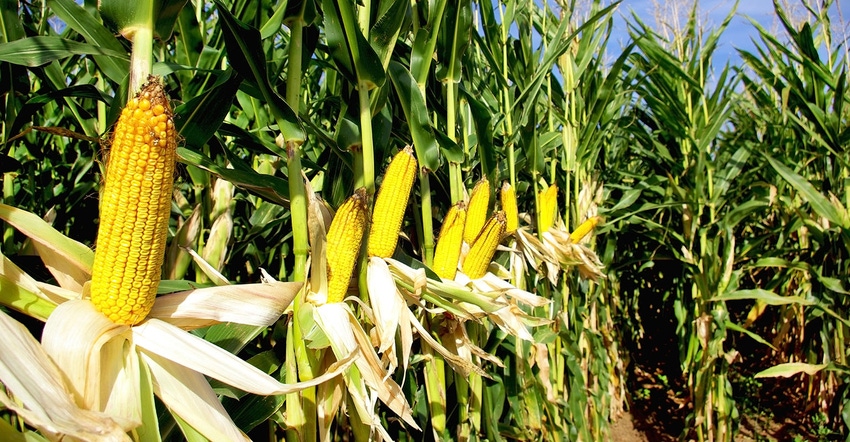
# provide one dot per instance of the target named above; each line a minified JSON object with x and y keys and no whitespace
{"x":246,"y":56}
{"x":789,"y":369}
{"x":39,"y":50}
{"x":413,"y":104}
{"x":80,"y":20}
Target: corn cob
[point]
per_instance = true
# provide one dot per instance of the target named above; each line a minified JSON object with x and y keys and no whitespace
{"x":508,"y":200}
{"x":344,"y":238}
{"x":476,"y":210}
{"x":391,"y":203}
{"x":134,"y":208}
{"x":584,"y":228}
{"x":481,"y":253}
{"x":449,"y":242}
{"x":548,"y":207}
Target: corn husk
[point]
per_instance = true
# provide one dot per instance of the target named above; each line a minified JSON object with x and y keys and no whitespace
{"x":39,"y":394}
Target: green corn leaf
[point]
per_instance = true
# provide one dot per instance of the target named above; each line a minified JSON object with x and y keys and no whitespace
{"x":232,"y":337}
{"x":40,"y":50}
{"x":840,"y":98}
{"x":419,"y":57}
{"x":425,"y":41}
{"x":735,"y":327}
{"x":732,"y":168}
{"x":835,"y":213}
{"x":189,"y":44}
{"x":493,"y":405}
{"x":14,"y":296}
{"x":385,"y":31}
{"x":789,"y":369}
{"x":271,"y":188}
{"x":768,"y":297}
{"x":834,"y":284}
{"x":148,"y":431}
{"x":530,"y":91}
{"x":337,"y":42}
{"x":742,"y":211}
{"x":413,"y":105}
{"x":451,"y":150}
{"x":549,"y":144}
{"x":72,"y":253}
{"x":253,"y":410}
{"x":348,"y":131}
{"x":246,"y":56}
{"x":275,"y":22}
{"x":454,"y":39}
{"x":199,"y":118}
{"x":189,"y":433}
{"x":81,"y":21}
{"x":166,"y":15}
{"x":483,"y":120}
{"x":59,"y":96}
{"x":492,"y":62}
{"x":10,"y":23}
{"x":350,"y":50}
{"x":11,"y":29}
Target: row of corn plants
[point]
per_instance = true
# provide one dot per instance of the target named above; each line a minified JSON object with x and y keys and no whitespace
{"x":430,"y":179}
{"x":799,"y":106}
{"x":724,"y":187}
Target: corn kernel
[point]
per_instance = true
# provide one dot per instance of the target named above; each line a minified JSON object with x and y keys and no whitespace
{"x":548,"y":207}
{"x":449,"y":242}
{"x":584,"y":229}
{"x":476,"y":210}
{"x":391,"y":203}
{"x":344,"y":237}
{"x":482,"y":250}
{"x":134,"y":209}
{"x":507,"y":196}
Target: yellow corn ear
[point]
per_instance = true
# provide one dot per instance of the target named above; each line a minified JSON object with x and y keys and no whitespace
{"x":482,"y":250}
{"x":548,"y":207}
{"x":391,"y":203}
{"x":476,"y":210}
{"x":134,"y":208}
{"x":584,"y":228}
{"x":344,"y":238}
{"x":508,"y":199}
{"x":450,"y":241}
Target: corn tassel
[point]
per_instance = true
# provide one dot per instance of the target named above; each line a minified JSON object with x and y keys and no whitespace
{"x":548,"y":207}
{"x":449,"y":242}
{"x":391,"y":204}
{"x":476,"y":210}
{"x":508,"y":200}
{"x":584,"y":228}
{"x":344,"y":238}
{"x":134,"y":208}
{"x":481,"y":253}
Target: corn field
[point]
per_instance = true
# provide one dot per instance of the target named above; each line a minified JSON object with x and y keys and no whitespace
{"x":420,"y":220}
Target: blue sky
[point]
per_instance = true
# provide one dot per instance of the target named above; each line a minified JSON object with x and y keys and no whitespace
{"x":740,"y":32}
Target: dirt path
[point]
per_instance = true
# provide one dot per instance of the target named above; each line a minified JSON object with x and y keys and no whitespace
{"x":623,"y":430}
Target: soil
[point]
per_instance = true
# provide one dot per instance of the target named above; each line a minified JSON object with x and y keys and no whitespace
{"x":660,"y":416}
{"x":770,"y":409}
{"x":623,"y":430}
{"x":629,"y":428}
